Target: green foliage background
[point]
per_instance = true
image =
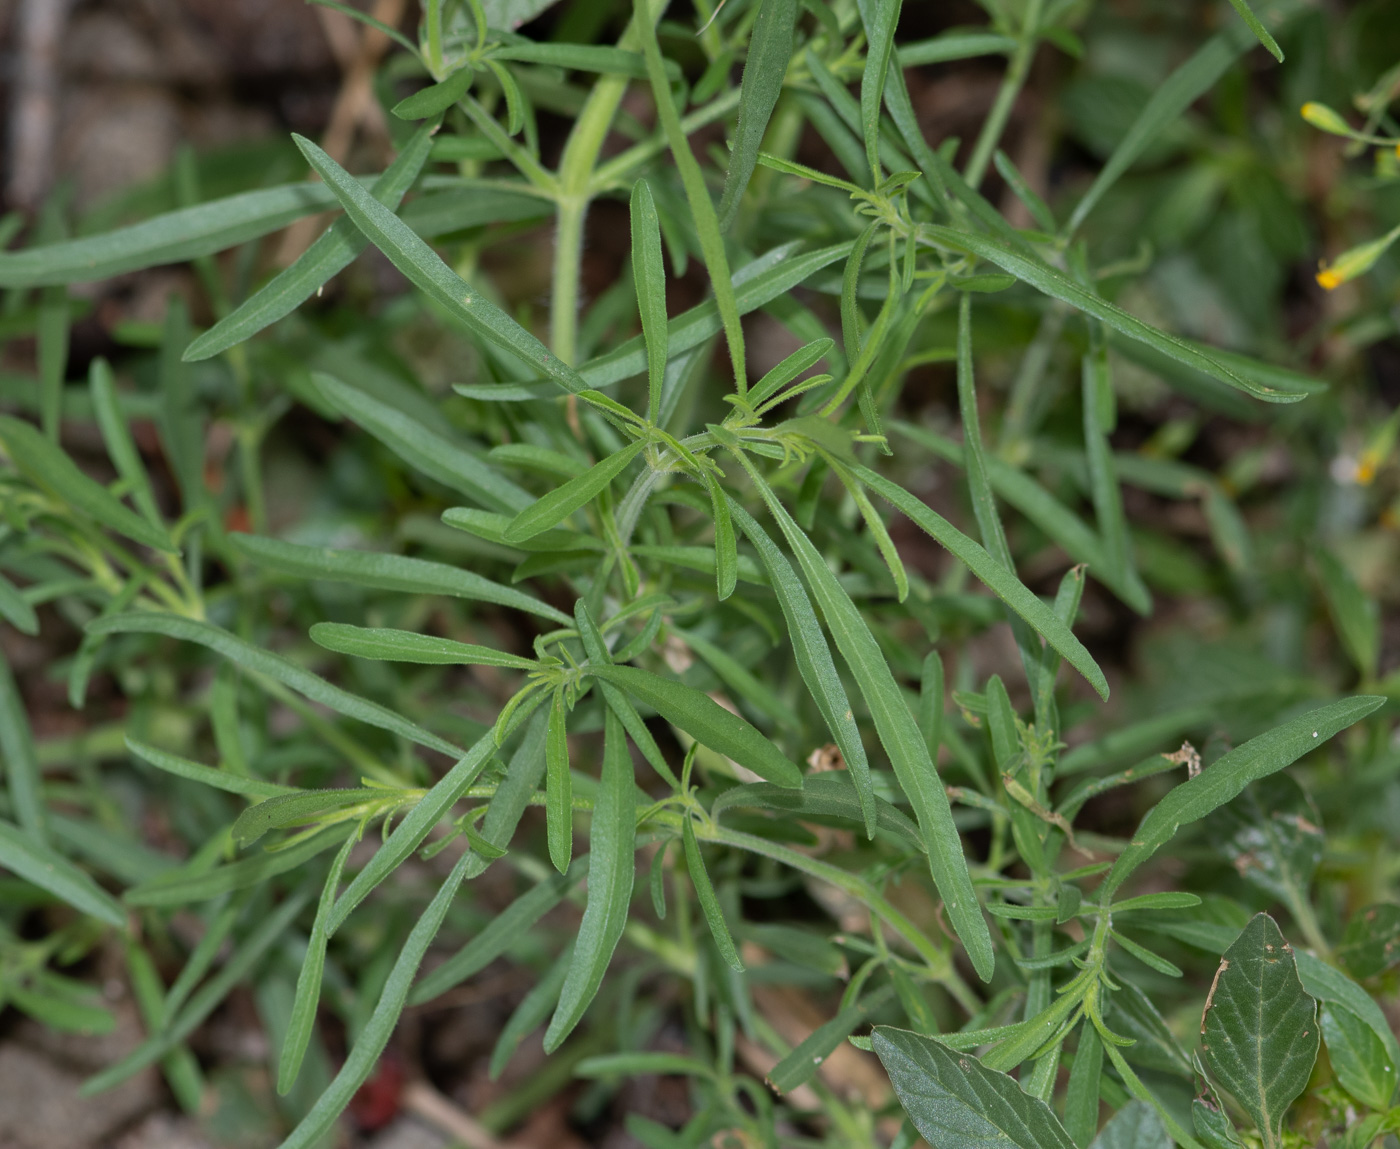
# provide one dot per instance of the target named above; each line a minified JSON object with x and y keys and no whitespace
{"x":589,"y":580}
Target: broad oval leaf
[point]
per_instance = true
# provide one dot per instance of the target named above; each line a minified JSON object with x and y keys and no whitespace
{"x":706,"y":721}
{"x":1359,"y":1058}
{"x":1272,"y":834}
{"x":1371,"y":943}
{"x":1259,"y":1033}
{"x":956,"y":1102}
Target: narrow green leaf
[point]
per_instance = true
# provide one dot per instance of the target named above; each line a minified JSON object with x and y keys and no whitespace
{"x":898,"y":732}
{"x":575,"y":57}
{"x":1256,"y":26}
{"x":47,"y":465}
{"x":500,"y":933}
{"x":184,"y":886}
{"x":387,"y":572}
{"x":1257,"y":758}
{"x":765,"y":67}
{"x":744,"y":685}
{"x":206,"y":775}
{"x":409,"y":833}
{"x":15,"y":610}
{"x":436,"y":98}
{"x":302,"y":1022}
{"x":282,"y":670}
{"x":1177,"y":93}
{"x":1001,"y":582}
{"x":709,"y":902}
{"x":1058,"y":285}
{"x":1355,"y":612}
{"x":28,"y":858}
{"x":826,"y":795}
{"x":380,"y":1026}
{"x":117,"y":437}
{"x":333,"y":251}
{"x":953,"y":46}
{"x":702,"y":208}
{"x":1040,"y":212}
{"x":300,"y":809}
{"x":956,"y":1102}
{"x":814,"y":661}
{"x":726,"y":549}
{"x":803,"y":359}
{"x":421,"y":265}
{"x":423,"y":448}
{"x":23,"y":777}
{"x":531,"y":1013}
{"x":559,"y":794}
{"x":798,"y":1067}
{"x":1082,"y":1096}
{"x":880,"y":18}
{"x":553,"y":508}
{"x":170,"y":238}
{"x":1103,"y":479}
{"x":206,"y":999}
{"x":391,"y":645}
{"x":706,"y":721}
{"x":53,"y":356}
{"x":612,"y":871}
{"x":1259,"y":1033}
{"x":649,"y":280}
{"x":1359,"y":1058}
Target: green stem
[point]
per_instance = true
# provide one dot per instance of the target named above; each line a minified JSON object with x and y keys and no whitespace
{"x":1011,"y":85}
{"x":433,"y":18}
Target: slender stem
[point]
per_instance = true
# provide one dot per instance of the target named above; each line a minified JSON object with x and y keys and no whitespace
{"x":568,"y":264}
{"x":1011,"y":85}
{"x":433,"y":18}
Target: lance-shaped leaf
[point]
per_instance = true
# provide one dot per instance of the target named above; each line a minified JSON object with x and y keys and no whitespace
{"x":612,"y":870}
{"x":387,"y":572}
{"x":39,"y":864}
{"x":649,"y":280}
{"x":169,"y":238}
{"x":706,"y":721}
{"x":1000,"y":581}
{"x":899,"y":734}
{"x":331,"y":253}
{"x":390,"y":645}
{"x":254,"y":658}
{"x":559,"y":796}
{"x":956,"y":1102}
{"x":560,"y":503}
{"x":706,"y":896}
{"x":421,"y":265}
{"x":423,"y":448}
{"x":765,"y":67}
{"x":1259,"y":757}
{"x":1259,"y":1033}
{"x":206,"y":775}
{"x":46,"y":464}
{"x":1058,"y":285}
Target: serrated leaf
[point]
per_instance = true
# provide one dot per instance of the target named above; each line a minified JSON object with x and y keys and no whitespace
{"x":1260,"y":1032}
{"x":956,"y":1102}
{"x":552,"y":509}
{"x":706,"y":721}
{"x":611,"y":873}
{"x":46,"y":464}
{"x":1359,"y":1058}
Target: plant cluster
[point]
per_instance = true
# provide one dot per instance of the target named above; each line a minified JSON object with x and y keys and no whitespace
{"x":685,"y":606}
